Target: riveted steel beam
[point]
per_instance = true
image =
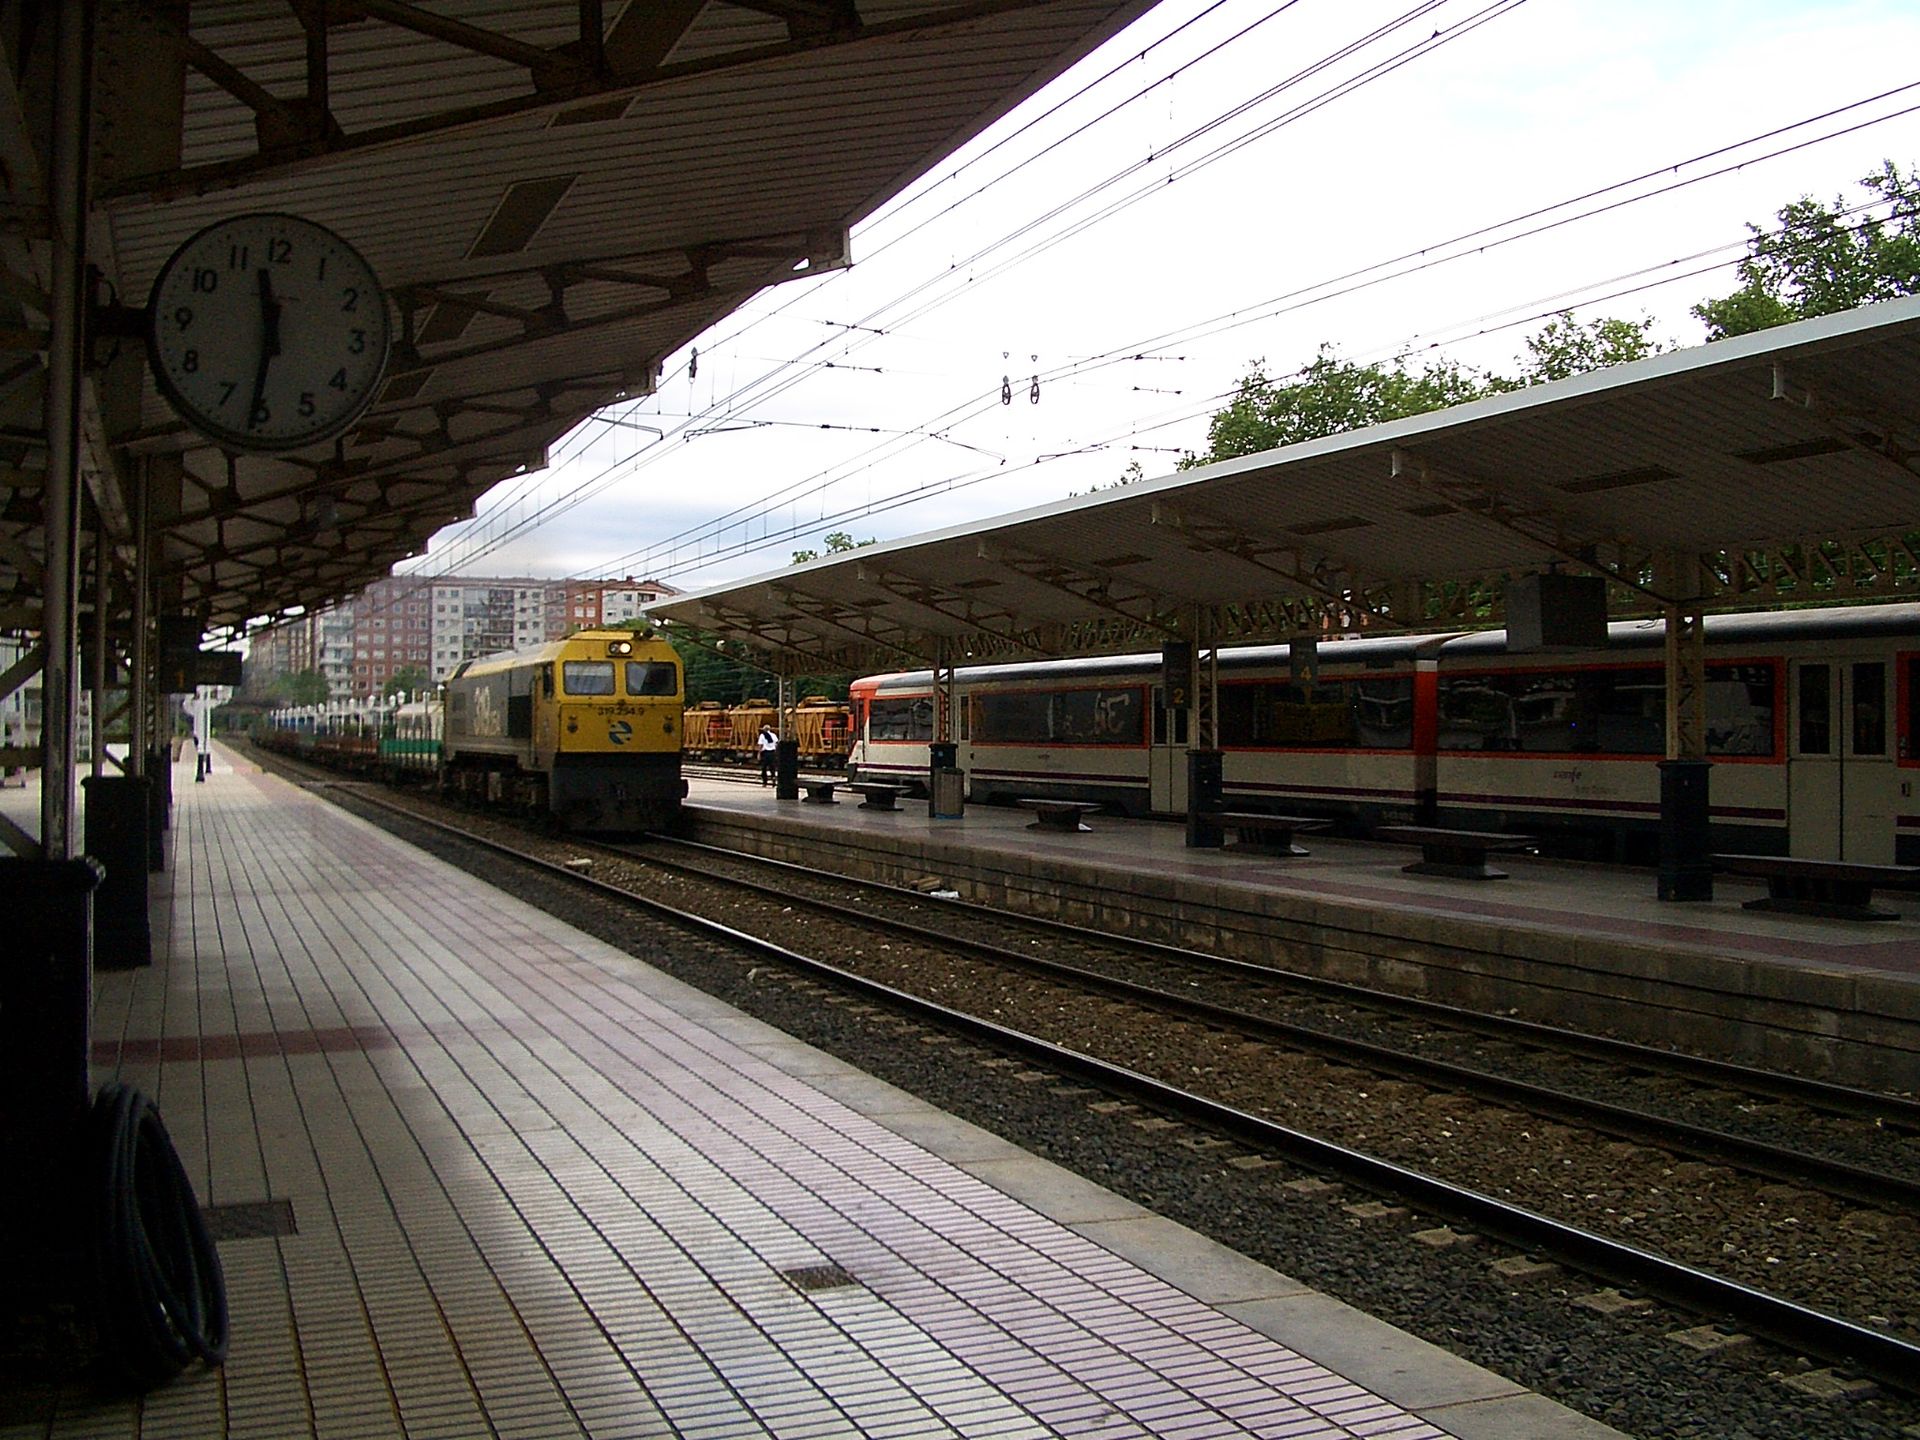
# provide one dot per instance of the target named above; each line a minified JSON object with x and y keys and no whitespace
{"x":298,"y":134}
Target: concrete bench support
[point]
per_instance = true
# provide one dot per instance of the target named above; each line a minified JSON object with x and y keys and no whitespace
{"x":1456,"y":854}
{"x":1267,"y":834}
{"x":1832,"y":889}
{"x":1061,"y":815}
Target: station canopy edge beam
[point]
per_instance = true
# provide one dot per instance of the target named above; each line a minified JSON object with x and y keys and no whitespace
{"x":595,"y":76}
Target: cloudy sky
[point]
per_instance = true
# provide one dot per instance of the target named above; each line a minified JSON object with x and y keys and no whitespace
{"x":1225,"y":184}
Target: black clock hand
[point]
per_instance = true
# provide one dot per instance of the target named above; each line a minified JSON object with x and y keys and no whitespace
{"x":269,"y":346}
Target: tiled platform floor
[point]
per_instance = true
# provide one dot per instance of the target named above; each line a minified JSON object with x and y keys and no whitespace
{"x":541,"y":1190}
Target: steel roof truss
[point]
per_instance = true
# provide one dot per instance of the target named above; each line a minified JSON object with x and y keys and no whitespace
{"x":1863,"y":567}
{"x":753,"y":629}
{"x":291,"y":132}
{"x":1535,"y":518}
{"x":23,"y":669}
{"x":1338,"y":595}
{"x":1879,"y":441}
{"x":813,"y":250}
{"x":953,"y":605}
{"x":858,"y":624}
{"x":1102,"y":587}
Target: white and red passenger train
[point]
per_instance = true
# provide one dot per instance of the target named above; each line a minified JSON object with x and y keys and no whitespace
{"x":1811,"y":716}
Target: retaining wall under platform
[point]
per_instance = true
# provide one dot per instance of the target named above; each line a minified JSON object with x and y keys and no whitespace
{"x":1853,"y":1024}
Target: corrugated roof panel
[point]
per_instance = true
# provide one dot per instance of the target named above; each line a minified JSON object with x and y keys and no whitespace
{"x":792,"y":147}
{"x":1662,"y":441}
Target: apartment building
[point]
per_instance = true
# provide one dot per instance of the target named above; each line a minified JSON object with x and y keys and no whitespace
{"x":432,"y":625}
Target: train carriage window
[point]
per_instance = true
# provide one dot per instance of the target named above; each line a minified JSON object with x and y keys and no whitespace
{"x":901,"y":720}
{"x":1318,"y":714}
{"x":652,"y":677}
{"x":1870,"y":708}
{"x":1059,"y":717}
{"x":587,"y":677}
{"x":1739,"y":709}
{"x":1382,"y":713}
{"x":1910,"y":670}
{"x":1612,"y":711}
{"x":1816,"y":700}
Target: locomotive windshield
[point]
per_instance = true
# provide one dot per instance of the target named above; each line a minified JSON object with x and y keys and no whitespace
{"x":588,"y":677}
{"x":652,"y":677}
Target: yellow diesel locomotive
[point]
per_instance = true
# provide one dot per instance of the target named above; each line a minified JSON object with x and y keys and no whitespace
{"x":585,"y":730}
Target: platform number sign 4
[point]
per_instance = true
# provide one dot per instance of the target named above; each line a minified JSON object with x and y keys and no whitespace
{"x":267,"y":332}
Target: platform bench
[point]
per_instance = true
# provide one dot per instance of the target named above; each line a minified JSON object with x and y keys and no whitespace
{"x":1266,"y":834}
{"x":1835,"y":889}
{"x":878,"y":795}
{"x":819,"y":792}
{"x":1457,"y":854}
{"x":1062,"y":815}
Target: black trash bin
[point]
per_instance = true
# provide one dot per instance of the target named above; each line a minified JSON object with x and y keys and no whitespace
{"x":1205,"y":793}
{"x":116,"y":826}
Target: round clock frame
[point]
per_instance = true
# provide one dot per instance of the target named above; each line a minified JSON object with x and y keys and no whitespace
{"x":267,"y":332}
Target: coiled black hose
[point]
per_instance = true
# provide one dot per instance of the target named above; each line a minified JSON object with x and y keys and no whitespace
{"x":160,"y":1298}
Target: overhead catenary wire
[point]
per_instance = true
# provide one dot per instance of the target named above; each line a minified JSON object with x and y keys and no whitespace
{"x":593,"y":484}
{"x":1222,"y":325}
{"x":1473,"y":242}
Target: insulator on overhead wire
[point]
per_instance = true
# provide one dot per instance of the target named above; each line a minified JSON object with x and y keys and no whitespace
{"x":1033,"y":391}
{"x":1006,"y":389}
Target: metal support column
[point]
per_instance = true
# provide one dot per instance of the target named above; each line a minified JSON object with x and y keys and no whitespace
{"x":786,"y":761}
{"x":1205,"y":777}
{"x":97,"y":678}
{"x":67,"y":218}
{"x":155,"y":766}
{"x":1686,"y":847}
{"x":945,"y":785}
{"x":46,"y":972}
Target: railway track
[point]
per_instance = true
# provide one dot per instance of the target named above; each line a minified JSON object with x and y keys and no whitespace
{"x":1257,"y":990}
{"x":1891,"y":1359}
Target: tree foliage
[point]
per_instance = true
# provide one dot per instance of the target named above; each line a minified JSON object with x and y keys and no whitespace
{"x":1332,"y":396}
{"x":1822,"y":259}
{"x":838,"y":542}
{"x":1561,"y":348}
{"x":721,"y":670}
{"x":305,"y":687}
{"x":407,"y":680}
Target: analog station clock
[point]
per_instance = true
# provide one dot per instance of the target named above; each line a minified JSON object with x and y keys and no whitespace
{"x":267,"y":332}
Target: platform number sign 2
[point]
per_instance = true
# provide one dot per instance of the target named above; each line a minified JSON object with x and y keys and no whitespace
{"x":267,"y":332}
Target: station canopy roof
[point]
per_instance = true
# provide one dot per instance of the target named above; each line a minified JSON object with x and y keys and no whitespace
{"x":557,"y":194}
{"x":1767,"y":469}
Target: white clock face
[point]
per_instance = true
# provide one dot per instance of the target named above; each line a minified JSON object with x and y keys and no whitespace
{"x":267,"y":332}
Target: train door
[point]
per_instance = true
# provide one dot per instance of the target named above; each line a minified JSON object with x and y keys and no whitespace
{"x":1841,"y":779}
{"x":1167,"y":758}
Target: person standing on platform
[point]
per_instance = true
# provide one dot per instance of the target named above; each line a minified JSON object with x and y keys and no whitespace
{"x":769,"y":747}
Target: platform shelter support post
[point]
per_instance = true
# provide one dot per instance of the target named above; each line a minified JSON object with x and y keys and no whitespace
{"x":139,"y":689}
{"x":1686,"y":850}
{"x":46,"y":969}
{"x":1205,"y":797}
{"x":97,"y":676}
{"x":786,"y":754}
{"x":946,"y":786}
{"x":154,"y":767}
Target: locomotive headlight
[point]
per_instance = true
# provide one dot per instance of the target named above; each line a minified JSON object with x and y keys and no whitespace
{"x":620,"y":647}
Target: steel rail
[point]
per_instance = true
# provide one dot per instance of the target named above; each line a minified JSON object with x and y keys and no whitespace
{"x":1844,"y":1100}
{"x":1884,"y":1358}
{"x":1775,"y":1162}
